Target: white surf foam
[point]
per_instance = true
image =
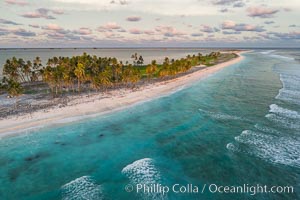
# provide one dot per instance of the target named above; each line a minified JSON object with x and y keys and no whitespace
{"x":221,"y":116}
{"x":144,"y":171}
{"x":281,"y":57}
{"x":290,"y":82}
{"x":291,"y":90}
{"x":82,"y":188}
{"x":231,"y":147}
{"x":284,"y":112}
{"x":266,"y":129}
{"x":285,"y":122}
{"x":289,"y":96}
{"x":281,"y":150}
{"x":267,"y":52}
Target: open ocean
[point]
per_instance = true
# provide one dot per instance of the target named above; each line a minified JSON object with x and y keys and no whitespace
{"x":238,"y":126}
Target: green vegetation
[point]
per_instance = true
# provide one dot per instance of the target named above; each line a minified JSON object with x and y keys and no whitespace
{"x":92,"y":73}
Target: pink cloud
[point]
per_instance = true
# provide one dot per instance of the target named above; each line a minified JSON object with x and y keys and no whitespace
{"x":241,"y":27}
{"x":135,"y":31}
{"x":110,"y":35}
{"x":108,"y":27}
{"x":294,"y":35}
{"x":261,"y":12}
{"x":58,"y":12}
{"x":55,"y":31}
{"x":53,"y":27}
{"x":149,"y":32}
{"x":169,"y":31}
{"x":43,"y":13}
{"x":196,"y":34}
{"x":16,"y":2}
{"x":112,"y":25}
{"x":83,"y":31}
{"x":121,"y":30}
{"x":32,"y":15}
{"x":23,"y":33}
{"x":133,"y":18}
{"x":34,"y":25}
{"x":228,"y":24}
{"x":209,"y":29}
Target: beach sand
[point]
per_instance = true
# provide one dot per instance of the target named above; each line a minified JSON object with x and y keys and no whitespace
{"x":103,"y":103}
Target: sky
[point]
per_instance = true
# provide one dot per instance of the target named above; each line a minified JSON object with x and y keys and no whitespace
{"x":149,"y":23}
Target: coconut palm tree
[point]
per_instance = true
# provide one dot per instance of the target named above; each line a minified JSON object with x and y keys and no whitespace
{"x":135,"y":76}
{"x":151,"y":69}
{"x":116,"y":69}
{"x":11,"y":69}
{"x":26,"y":70}
{"x":80,"y":74}
{"x":131,"y":75}
{"x":14,"y":89}
{"x":48,"y":77}
{"x":37,"y":63}
{"x":104,"y":78}
{"x":65,"y":72}
{"x":140,"y":61}
{"x":118,"y":72}
{"x":58,"y":73}
{"x":20,"y":69}
{"x":135,"y":58}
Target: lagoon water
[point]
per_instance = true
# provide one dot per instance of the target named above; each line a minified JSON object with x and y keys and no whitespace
{"x":238,"y":126}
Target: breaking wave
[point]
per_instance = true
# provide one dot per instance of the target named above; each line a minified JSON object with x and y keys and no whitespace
{"x":281,"y":57}
{"x":266,"y":129}
{"x":284,"y":112}
{"x":290,"y":91}
{"x":267,"y":52}
{"x":144,"y":171}
{"x":222,"y":116}
{"x":82,"y":188}
{"x":289,"y":96}
{"x":275,"y":149}
{"x":283,"y":121}
{"x":290,"y":81}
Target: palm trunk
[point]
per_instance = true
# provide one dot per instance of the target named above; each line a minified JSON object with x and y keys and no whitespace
{"x":16,"y":102}
{"x":78,"y":85}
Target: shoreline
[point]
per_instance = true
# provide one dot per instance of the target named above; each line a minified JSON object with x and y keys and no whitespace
{"x":100,"y":104}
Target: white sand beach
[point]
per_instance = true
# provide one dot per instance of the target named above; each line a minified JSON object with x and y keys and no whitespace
{"x":104,"y":103}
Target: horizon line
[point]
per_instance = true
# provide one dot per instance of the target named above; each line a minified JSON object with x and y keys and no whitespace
{"x":4,"y":48}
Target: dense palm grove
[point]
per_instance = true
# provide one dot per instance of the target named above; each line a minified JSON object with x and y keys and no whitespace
{"x":92,"y":73}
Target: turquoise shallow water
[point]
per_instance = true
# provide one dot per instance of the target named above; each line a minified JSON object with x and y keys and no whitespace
{"x":239,"y":126}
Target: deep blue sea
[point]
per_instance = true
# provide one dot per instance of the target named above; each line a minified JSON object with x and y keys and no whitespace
{"x":240,"y":126}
